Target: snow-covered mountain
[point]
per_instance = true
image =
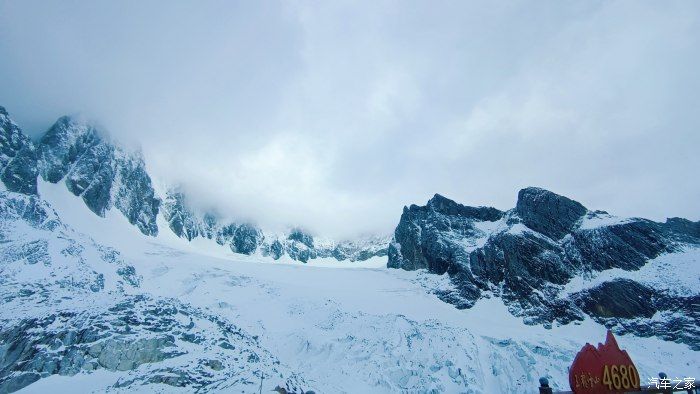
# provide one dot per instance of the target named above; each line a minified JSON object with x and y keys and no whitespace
{"x":17,"y":157}
{"x":109,"y":286}
{"x":541,"y":259}
{"x":160,"y":317}
{"x":248,"y":239}
{"x":107,"y":176}
{"x":103,"y":174}
{"x":71,"y":305}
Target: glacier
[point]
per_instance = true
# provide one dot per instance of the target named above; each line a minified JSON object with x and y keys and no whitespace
{"x":109,"y":284}
{"x":332,"y":327}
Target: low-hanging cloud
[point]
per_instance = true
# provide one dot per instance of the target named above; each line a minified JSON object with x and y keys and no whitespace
{"x":334,"y":115}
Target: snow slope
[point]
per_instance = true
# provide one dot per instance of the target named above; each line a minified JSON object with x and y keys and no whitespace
{"x":73,"y":306}
{"x":354,"y":328}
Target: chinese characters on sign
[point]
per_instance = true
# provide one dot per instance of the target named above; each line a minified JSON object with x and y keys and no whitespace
{"x":603,"y":369}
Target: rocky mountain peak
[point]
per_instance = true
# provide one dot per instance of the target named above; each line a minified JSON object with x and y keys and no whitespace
{"x":446,"y":206}
{"x":18,"y":169}
{"x":300,"y":235}
{"x":65,"y":143}
{"x":98,"y":170}
{"x":528,"y":255}
{"x":247,"y":238}
{"x":547,"y":212}
{"x":106,"y":175}
{"x":686,"y":228}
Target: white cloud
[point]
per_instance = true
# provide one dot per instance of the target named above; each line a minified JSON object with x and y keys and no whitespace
{"x":335,"y":115}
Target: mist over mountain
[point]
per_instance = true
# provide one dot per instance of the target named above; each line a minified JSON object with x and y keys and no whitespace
{"x":378,"y":197}
{"x":107,"y":176}
{"x":332,"y":116}
{"x":173,"y":297}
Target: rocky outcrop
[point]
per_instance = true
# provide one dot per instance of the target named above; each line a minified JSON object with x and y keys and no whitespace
{"x":302,"y":246}
{"x":137,"y":334}
{"x":102,"y":173}
{"x":360,"y":249}
{"x":630,"y":307}
{"x":247,"y":238}
{"x":682,"y":230}
{"x":439,"y":217}
{"x":548,"y":213}
{"x":133,"y":193}
{"x":528,"y":255}
{"x":81,"y":309}
{"x":620,"y":298}
{"x":18,"y":169}
{"x":105,"y":175}
{"x":181,"y":220}
{"x":29,"y":209}
{"x":242,"y":238}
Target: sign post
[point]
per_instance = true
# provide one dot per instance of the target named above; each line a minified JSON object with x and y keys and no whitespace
{"x":606,"y":369}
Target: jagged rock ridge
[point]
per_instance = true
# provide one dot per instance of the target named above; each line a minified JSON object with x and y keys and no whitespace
{"x":81,"y":310}
{"x":247,"y":238}
{"x":18,"y":169}
{"x":528,"y":255}
{"x":102,"y":173}
{"x":105,"y":175}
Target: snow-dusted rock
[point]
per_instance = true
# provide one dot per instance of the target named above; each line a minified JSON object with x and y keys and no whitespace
{"x":527,"y":255}
{"x":17,"y":157}
{"x":247,"y":238}
{"x":158,"y":316}
{"x":103,"y":173}
{"x":181,"y":220}
{"x":73,"y":306}
{"x":548,"y":213}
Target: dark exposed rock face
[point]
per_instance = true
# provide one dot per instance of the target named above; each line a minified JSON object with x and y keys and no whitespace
{"x":241,"y":238}
{"x":300,"y":246}
{"x":529,"y":254}
{"x":621,"y":298}
{"x":548,"y":213}
{"x":64,"y":144}
{"x":29,"y":209}
{"x":246,"y":239}
{"x":440,"y":216}
{"x":446,"y":206}
{"x":17,"y":157}
{"x":630,"y":307}
{"x":101,"y":173}
{"x":300,"y":236}
{"x":276,"y":249}
{"x":135,"y":196}
{"x":180,"y":219}
{"x":682,"y":229}
{"x":627,"y":246}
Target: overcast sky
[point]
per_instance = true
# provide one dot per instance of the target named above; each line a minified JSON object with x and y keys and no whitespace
{"x":335,"y":115}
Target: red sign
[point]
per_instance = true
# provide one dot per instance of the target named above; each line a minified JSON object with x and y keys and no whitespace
{"x":606,"y":369}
